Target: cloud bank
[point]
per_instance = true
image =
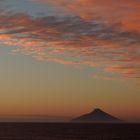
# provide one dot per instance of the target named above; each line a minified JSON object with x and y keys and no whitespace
{"x":92,"y":36}
{"x":124,"y":13}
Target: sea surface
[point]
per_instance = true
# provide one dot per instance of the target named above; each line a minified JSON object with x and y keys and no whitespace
{"x":69,"y":131}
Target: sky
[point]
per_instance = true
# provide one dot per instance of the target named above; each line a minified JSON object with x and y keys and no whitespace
{"x":67,"y":57}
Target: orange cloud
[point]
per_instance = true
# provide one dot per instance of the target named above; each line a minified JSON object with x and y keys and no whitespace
{"x":73,"y":40}
{"x":120,"y":13}
{"x":125,"y":70}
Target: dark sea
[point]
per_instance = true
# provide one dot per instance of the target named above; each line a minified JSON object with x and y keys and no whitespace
{"x":69,"y":131}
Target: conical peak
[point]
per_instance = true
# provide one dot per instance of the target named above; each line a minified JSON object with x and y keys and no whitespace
{"x":97,"y":115}
{"x":97,"y":110}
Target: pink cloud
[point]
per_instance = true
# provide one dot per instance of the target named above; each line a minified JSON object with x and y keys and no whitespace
{"x":127,"y":15}
{"x":73,"y":41}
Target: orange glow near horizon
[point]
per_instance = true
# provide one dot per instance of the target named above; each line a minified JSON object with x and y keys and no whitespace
{"x":64,"y":58}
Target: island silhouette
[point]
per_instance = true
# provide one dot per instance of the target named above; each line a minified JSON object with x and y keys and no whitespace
{"x":97,"y":116}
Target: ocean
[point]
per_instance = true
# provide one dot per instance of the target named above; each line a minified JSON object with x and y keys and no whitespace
{"x":69,"y":131}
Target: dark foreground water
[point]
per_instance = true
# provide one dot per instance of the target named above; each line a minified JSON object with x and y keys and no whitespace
{"x":68,"y":131}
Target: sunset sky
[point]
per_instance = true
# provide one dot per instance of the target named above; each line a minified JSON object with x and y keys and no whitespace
{"x":67,"y":57}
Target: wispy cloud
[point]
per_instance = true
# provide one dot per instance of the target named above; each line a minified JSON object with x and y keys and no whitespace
{"x":75,"y":39}
{"x":121,"y":12}
{"x":95,"y":76}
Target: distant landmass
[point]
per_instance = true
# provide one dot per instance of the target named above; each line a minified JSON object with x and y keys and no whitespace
{"x":97,"y":116}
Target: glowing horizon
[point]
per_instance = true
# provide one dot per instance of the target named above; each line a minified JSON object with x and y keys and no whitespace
{"x":63,"y":58}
